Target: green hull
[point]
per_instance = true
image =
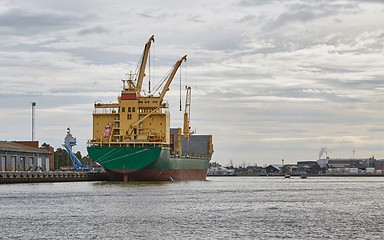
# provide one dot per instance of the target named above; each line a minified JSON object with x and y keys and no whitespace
{"x":119,"y":158}
{"x":150,"y":163}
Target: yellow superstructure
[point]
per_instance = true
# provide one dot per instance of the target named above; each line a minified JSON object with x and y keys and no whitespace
{"x":135,"y":117}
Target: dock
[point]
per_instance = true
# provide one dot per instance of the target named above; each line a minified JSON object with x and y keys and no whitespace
{"x":8,"y":177}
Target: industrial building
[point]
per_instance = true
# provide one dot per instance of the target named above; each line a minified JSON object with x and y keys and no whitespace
{"x":346,"y":165}
{"x":24,"y":156}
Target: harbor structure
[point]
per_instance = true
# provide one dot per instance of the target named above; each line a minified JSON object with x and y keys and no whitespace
{"x":51,"y":176}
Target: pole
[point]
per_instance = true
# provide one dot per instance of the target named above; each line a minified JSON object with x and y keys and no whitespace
{"x":33,"y":120}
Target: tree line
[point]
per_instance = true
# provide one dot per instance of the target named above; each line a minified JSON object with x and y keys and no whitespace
{"x":63,"y":159}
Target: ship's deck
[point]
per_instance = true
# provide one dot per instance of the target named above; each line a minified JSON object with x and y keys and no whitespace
{"x":129,"y":143}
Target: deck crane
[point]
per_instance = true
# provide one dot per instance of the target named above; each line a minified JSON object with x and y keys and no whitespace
{"x":171,"y":76}
{"x":144,"y":64}
{"x":158,"y":99}
{"x":187,"y":112}
{"x":69,"y":142}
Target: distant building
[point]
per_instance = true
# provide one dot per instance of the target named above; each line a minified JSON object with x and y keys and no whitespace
{"x":215,"y":169}
{"x":351,"y":165}
{"x":379,"y":164}
{"x":360,"y":163}
{"x":254,"y":170}
{"x":23,"y":156}
{"x":271,"y":170}
{"x":305,"y":166}
{"x":289,"y":169}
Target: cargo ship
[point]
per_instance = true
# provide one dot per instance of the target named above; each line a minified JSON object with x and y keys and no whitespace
{"x":132,"y":138}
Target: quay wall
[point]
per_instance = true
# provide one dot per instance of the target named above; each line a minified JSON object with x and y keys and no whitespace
{"x":7,"y":177}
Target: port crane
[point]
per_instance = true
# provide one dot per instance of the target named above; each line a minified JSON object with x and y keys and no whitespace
{"x":69,"y":142}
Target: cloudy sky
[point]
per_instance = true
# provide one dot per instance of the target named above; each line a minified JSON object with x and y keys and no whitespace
{"x":271,"y":80}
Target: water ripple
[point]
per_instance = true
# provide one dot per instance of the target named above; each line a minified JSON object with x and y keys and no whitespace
{"x":220,"y":208}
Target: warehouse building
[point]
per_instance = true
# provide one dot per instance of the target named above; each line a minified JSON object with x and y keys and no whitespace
{"x":24,"y":156}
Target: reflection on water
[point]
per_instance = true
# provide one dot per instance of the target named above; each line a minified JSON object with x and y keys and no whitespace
{"x":130,"y":184}
{"x":219,"y":208}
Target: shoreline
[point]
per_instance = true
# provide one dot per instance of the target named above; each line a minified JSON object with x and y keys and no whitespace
{"x":324,"y":175}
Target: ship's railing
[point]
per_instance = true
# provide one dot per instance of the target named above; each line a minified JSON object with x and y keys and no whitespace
{"x":105,"y":108}
{"x":194,"y":156}
{"x":113,"y":108}
{"x":130,"y":143}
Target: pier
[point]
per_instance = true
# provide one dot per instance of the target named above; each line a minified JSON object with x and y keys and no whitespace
{"x":55,"y":176}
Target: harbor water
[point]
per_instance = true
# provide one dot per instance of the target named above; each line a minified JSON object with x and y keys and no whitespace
{"x":219,"y":208}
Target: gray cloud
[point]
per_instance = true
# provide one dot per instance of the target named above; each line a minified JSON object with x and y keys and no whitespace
{"x":271,"y":79}
{"x":304,"y":12}
{"x":93,"y":30}
{"x":19,"y":21}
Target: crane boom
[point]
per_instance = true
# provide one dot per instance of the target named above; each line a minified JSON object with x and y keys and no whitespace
{"x":186,"y":128}
{"x":171,"y":76}
{"x":144,"y":63}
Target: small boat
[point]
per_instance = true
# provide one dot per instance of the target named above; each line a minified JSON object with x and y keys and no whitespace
{"x":303,"y":176}
{"x":287,"y":175}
